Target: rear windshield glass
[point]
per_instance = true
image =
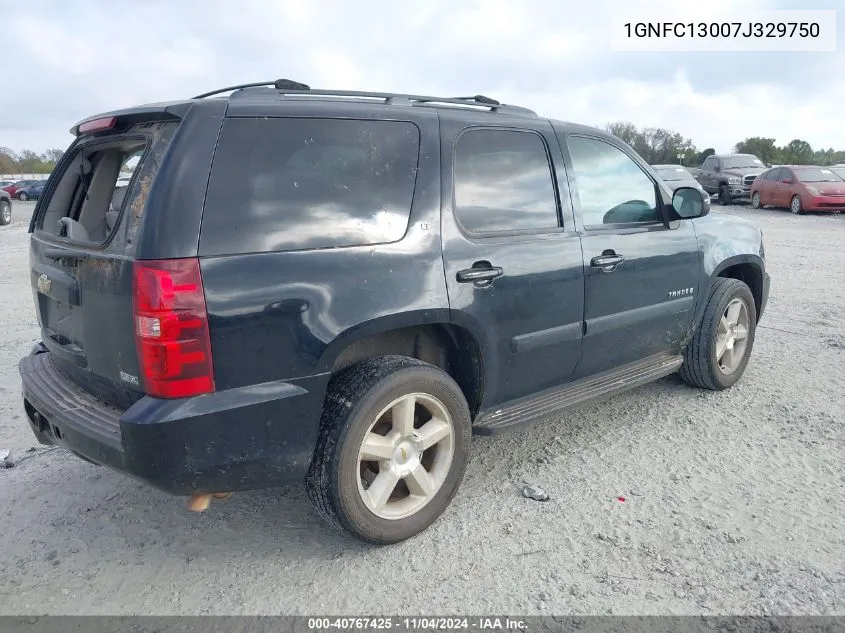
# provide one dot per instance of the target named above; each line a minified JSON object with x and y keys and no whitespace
{"x":99,"y":180}
{"x":291,"y":184}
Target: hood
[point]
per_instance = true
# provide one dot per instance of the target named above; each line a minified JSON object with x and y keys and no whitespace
{"x":675,"y":184}
{"x":827,"y":188}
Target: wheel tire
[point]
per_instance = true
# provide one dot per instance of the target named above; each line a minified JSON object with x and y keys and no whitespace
{"x":23,"y":197}
{"x":5,"y":212}
{"x":356,"y":399}
{"x":795,"y":205}
{"x":724,"y":196}
{"x":701,"y":368}
{"x":755,"y":201}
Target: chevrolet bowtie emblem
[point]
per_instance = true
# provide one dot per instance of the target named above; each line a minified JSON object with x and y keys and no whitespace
{"x":44,"y":284}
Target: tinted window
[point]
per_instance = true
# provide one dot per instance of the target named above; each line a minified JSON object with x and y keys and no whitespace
{"x":290,"y":184}
{"x":503,"y":182}
{"x":612,"y":188}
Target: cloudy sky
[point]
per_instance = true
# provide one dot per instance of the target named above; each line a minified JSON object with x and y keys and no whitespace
{"x":66,"y":59}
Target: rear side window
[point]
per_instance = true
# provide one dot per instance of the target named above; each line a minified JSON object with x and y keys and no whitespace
{"x":293,"y":184}
{"x":503,"y":182}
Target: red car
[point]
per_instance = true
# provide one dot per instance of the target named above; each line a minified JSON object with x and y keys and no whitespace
{"x":799,"y":188}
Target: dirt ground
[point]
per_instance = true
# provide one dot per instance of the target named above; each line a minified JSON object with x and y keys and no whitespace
{"x":734,"y":501}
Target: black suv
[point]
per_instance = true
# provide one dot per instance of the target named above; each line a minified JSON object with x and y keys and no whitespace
{"x":339,"y":287}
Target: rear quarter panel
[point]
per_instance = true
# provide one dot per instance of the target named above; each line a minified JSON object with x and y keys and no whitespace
{"x":287,"y":315}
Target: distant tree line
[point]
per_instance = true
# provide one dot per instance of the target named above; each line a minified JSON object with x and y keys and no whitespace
{"x":28,"y":162}
{"x":659,"y":146}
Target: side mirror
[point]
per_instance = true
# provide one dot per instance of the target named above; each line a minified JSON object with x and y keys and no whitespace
{"x":717,"y":169}
{"x":786,"y":181}
{"x":689,"y":203}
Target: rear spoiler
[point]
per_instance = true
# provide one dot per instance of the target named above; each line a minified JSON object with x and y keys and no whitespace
{"x":166,"y":111}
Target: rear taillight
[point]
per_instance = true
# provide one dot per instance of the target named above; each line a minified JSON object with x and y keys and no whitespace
{"x":171,"y":328}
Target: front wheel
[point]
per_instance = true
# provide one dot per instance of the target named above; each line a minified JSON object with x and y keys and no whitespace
{"x":23,"y":197}
{"x":5,"y":212}
{"x":724,"y":196}
{"x":755,"y":201}
{"x":393,"y":447}
{"x":718,"y":353}
{"x":795,"y":205}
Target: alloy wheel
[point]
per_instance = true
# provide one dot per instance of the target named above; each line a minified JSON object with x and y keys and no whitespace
{"x":405,"y":456}
{"x":732,"y":336}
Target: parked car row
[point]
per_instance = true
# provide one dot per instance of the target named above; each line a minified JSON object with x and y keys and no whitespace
{"x":24,"y":189}
{"x":744,"y":177}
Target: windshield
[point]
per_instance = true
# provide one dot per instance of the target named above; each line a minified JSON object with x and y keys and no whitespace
{"x":673,"y":173}
{"x":817,"y":174}
{"x":839,"y":171}
{"x":740,"y":161}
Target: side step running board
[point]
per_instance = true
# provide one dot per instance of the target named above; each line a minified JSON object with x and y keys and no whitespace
{"x":577,"y":393}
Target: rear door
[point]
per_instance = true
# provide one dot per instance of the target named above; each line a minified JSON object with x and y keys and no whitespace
{"x":81,"y":254}
{"x":512,"y":256}
{"x":640,"y":274}
{"x":779,"y":189}
{"x":768,"y":194}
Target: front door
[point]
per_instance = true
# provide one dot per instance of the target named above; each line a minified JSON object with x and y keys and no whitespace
{"x":640,"y":275}
{"x":512,"y":257}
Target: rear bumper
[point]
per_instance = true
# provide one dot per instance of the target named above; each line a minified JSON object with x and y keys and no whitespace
{"x":239,"y":439}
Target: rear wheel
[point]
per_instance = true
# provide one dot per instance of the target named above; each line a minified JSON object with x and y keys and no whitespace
{"x":724,"y":196}
{"x":23,"y":197}
{"x":393,"y":447}
{"x":718,"y":353}
{"x":795,"y":205}
{"x":5,"y":212}
{"x":755,"y":201}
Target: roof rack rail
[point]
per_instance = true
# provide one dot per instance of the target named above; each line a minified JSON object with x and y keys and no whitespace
{"x":285,"y":87}
{"x":480,"y":99}
{"x":280,"y":84}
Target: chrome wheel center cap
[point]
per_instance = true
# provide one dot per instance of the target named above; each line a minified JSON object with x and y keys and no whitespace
{"x":406,"y":456}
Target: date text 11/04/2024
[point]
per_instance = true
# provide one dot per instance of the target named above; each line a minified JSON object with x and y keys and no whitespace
{"x":418,"y":624}
{"x":722,"y":29}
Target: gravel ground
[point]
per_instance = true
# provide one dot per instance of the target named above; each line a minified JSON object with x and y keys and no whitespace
{"x":734,"y":502}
